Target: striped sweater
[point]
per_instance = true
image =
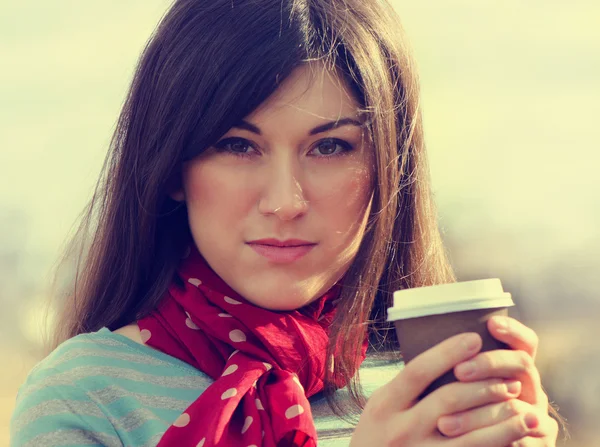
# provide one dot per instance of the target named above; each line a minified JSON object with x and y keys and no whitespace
{"x":103,"y":389}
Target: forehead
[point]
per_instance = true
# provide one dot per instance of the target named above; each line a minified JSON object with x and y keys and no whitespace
{"x":310,"y":92}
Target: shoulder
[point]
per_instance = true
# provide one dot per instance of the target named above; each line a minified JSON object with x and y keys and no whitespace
{"x":88,"y":357}
{"x":90,"y":361}
{"x":52,"y":407}
{"x":83,"y":391}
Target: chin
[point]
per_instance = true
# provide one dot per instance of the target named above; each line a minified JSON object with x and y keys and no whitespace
{"x":283,"y":294}
{"x":281,"y":302}
{"x":280,"y":307}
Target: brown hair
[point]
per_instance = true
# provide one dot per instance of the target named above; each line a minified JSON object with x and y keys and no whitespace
{"x":208,"y":65}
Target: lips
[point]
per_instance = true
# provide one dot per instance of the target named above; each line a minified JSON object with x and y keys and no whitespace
{"x":282,"y":252}
{"x":285,"y":243}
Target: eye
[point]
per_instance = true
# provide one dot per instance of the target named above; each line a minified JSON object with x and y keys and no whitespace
{"x":332,"y":147}
{"x":236,"y":146}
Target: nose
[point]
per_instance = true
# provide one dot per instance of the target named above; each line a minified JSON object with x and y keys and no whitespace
{"x":283,"y":195}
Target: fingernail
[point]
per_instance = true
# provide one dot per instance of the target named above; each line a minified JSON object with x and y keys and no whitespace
{"x":531,"y":421}
{"x":466,"y":369}
{"x":449,"y":425}
{"x":501,"y":324}
{"x":470,"y":342}
{"x":513,"y":387}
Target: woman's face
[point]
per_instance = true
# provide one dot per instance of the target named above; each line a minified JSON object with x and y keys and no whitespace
{"x":287,"y":171}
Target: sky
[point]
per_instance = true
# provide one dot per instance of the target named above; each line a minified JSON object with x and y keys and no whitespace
{"x":510,"y":94}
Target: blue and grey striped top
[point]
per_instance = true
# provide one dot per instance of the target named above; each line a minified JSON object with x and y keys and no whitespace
{"x":103,"y":389}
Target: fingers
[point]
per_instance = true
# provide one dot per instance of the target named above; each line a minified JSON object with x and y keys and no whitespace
{"x":504,"y":433}
{"x":506,"y":364}
{"x":418,"y":374}
{"x":484,"y":416}
{"x":513,"y":419}
{"x":545,"y":434}
{"x":457,"y":397}
{"x":514,"y":333}
{"x":528,"y":441}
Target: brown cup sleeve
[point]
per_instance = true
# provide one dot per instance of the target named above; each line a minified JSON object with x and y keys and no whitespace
{"x":416,"y":335}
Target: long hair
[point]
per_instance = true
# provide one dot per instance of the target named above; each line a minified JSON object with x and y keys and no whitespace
{"x":209,"y":64}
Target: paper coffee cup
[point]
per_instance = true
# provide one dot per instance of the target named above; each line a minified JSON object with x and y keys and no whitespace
{"x":425,"y":316}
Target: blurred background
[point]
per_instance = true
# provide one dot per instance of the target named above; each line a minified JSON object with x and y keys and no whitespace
{"x":511,"y":100}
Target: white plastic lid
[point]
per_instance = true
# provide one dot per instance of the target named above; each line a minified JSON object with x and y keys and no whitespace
{"x":446,"y":298}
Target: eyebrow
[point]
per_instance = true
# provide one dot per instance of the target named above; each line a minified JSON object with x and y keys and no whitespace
{"x":319,"y":129}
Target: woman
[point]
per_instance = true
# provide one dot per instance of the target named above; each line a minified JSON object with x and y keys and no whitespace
{"x":266,"y":192}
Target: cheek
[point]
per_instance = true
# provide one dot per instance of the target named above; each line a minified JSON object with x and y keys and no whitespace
{"x":214,"y":193}
{"x":360,"y":188}
{"x":344,"y":204}
{"x":347,"y":192}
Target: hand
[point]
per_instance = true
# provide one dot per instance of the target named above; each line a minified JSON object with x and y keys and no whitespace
{"x":517,"y":364}
{"x":394,"y":417}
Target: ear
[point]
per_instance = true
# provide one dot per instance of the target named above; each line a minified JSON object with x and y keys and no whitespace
{"x":178,"y":195}
{"x":175,"y":188}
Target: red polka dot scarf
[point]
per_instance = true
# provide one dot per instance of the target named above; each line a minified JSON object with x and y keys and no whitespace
{"x":265,"y":364}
